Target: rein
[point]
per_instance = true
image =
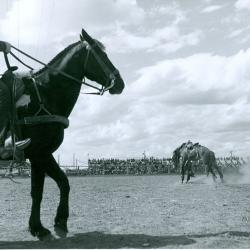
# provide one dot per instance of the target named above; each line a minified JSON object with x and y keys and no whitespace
{"x":101,"y":91}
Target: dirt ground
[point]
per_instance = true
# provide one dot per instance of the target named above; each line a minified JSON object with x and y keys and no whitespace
{"x":134,"y":212}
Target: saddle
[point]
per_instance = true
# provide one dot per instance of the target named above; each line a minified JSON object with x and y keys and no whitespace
{"x":18,"y":88}
{"x":20,"y":98}
{"x":10,"y":145}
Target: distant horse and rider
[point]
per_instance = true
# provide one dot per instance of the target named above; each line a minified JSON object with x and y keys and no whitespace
{"x":37,"y":127}
{"x":189,"y":154}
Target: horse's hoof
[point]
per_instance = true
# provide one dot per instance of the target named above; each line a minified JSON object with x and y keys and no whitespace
{"x":47,"y":237}
{"x":61,"y":228}
{"x":60,"y":233}
{"x":42,"y":233}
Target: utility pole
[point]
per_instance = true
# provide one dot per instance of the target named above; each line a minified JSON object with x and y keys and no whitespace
{"x":74,"y":160}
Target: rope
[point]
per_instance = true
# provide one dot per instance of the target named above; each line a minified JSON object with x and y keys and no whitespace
{"x":11,"y":178}
{"x":54,"y":69}
{"x":19,"y":60}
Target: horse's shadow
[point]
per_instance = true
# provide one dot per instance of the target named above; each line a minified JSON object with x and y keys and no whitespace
{"x":99,"y":240}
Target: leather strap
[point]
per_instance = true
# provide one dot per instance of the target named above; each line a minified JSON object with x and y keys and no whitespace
{"x":41,"y":119}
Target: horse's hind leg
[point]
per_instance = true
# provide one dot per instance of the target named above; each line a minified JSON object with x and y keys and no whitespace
{"x":188,"y":173}
{"x":219,"y":171}
{"x":182,"y":174}
{"x":188,"y":177}
{"x":54,"y":171}
{"x":212,"y":172}
{"x":37,"y":183}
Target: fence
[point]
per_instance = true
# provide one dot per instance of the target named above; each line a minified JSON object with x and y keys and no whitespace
{"x":153,"y":165}
{"x":143,"y":166}
{"x":16,"y":169}
{"x":232,"y":164}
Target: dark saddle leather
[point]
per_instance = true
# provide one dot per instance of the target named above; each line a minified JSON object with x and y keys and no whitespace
{"x":17,"y":89}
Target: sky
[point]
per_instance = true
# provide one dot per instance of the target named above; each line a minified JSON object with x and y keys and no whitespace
{"x":186,"y":65}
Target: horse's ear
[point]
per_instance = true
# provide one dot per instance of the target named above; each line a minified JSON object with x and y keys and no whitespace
{"x":81,"y":37}
{"x":87,"y":37}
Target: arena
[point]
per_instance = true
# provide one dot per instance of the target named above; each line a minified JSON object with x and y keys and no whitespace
{"x":135,"y":212}
{"x":124,"y":124}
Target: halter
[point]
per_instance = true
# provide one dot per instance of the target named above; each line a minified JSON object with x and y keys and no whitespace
{"x":111,"y":76}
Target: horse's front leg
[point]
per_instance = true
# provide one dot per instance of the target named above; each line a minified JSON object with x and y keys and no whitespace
{"x":37,"y":183}
{"x":54,"y":171}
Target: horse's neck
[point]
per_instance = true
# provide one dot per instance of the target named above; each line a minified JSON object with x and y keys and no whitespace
{"x":61,"y":93}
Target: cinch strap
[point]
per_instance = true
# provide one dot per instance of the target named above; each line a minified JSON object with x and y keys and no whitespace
{"x":41,"y":119}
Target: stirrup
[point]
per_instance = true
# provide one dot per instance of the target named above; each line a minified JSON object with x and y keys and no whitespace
{"x":8,"y":149}
{"x":21,"y":145}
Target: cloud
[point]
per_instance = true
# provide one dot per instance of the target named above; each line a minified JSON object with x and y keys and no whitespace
{"x":191,"y":80}
{"x":236,"y":33}
{"x":198,"y":93}
{"x":203,"y":97}
{"x":161,"y":32}
{"x":211,"y":8}
{"x":172,"y":11}
{"x":47,"y":21}
{"x":167,"y":39}
{"x":242,"y":4}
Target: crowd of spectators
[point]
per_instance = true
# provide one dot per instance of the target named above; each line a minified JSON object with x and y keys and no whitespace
{"x":130,"y":166}
{"x":152,"y":165}
{"x":148,"y":166}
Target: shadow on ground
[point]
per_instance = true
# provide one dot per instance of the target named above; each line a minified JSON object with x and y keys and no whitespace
{"x":100,"y":240}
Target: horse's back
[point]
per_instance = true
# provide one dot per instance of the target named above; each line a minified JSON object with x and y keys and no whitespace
{"x":207,"y":154}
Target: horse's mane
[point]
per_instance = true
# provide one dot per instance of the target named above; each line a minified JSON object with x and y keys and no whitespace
{"x":58,"y":56}
{"x":63,"y":52}
{"x":100,"y":44}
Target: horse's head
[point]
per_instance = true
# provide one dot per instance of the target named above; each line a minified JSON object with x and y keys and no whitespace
{"x":98,"y":67}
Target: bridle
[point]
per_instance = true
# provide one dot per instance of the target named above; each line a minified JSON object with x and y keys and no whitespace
{"x":111,"y":75}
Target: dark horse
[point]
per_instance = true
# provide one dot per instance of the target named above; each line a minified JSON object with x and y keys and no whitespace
{"x":59,"y":93}
{"x":185,"y":156}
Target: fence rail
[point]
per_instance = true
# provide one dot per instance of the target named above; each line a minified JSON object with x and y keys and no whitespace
{"x":143,"y":166}
{"x":155,"y":166}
